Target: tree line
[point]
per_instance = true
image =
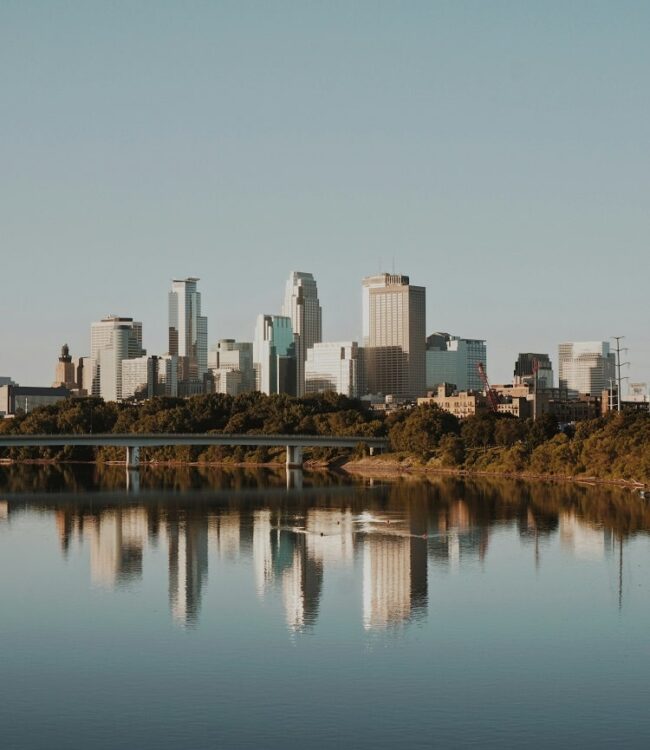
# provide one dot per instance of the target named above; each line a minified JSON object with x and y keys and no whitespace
{"x":616,"y":446}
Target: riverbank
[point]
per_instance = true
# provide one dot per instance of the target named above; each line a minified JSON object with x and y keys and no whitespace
{"x":392,"y":466}
{"x":386,"y":466}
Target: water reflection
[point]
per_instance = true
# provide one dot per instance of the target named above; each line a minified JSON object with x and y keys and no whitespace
{"x":400,"y":535}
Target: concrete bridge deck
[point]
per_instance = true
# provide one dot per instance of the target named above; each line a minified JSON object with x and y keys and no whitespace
{"x":134,"y":441}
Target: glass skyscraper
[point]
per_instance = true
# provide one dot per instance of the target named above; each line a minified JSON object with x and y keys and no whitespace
{"x":302,"y":306}
{"x":188,"y":329}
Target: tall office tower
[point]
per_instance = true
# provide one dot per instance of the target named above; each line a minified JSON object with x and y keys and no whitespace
{"x":188,"y":330}
{"x":230,"y":356}
{"x":302,"y":306}
{"x":112,"y":340}
{"x":586,"y":366}
{"x":451,"y":359}
{"x":334,"y":366}
{"x":65,"y":374}
{"x":167,"y":375}
{"x":274,"y":357}
{"x":533,"y":368}
{"x":394,"y":331}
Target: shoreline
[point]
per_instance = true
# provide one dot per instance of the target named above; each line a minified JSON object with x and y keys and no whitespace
{"x":374,"y":467}
{"x":367,"y":467}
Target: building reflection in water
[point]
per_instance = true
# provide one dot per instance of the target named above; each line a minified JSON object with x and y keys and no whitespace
{"x":456,"y":537}
{"x":117,"y":540}
{"x":584,"y":541}
{"x":395,"y":536}
{"x":187,"y":539}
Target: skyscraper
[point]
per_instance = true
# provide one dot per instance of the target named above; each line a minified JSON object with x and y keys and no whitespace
{"x":188,"y":330}
{"x":394,"y":333}
{"x":112,"y":340}
{"x":274,"y":358}
{"x":586,"y":366}
{"x":231,"y":360}
{"x":451,"y":359}
{"x":334,"y":366}
{"x":301,"y":305}
{"x":530,"y":365}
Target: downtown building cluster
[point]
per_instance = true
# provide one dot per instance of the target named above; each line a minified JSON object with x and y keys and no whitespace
{"x":394,"y":364}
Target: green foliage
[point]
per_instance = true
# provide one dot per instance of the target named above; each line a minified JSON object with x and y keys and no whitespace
{"x":421,"y":430}
{"x":613,"y":447}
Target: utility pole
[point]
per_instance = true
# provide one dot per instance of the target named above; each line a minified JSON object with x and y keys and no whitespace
{"x":618,"y":369}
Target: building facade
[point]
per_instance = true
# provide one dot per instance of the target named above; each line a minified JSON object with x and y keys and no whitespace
{"x":533,"y":368}
{"x":459,"y":403}
{"x":452,"y":359}
{"x":394,"y":331}
{"x":274,"y":358}
{"x":145,"y":377}
{"x":302,"y":306}
{"x":188,"y":330}
{"x":17,"y":398}
{"x":66,"y":372}
{"x":587,"y":366}
{"x":112,"y":340}
{"x":334,"y":366}
{"x":233,"y":356}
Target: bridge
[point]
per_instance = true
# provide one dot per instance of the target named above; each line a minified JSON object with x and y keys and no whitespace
{"x":133,"y":442}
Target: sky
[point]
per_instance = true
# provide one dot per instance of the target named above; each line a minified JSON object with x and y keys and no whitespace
{"x":497,"y":153}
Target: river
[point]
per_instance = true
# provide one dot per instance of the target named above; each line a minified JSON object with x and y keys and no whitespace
{"x":213,"y":609}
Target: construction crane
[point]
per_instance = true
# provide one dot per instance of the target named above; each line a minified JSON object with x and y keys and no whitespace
{"x":491,"y":395}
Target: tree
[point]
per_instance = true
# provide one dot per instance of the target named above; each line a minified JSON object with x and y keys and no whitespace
{"x":421,"y":430}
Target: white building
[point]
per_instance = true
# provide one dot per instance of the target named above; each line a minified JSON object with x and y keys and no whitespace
{"x":587,"y":366}
{"x":301,"y":305}
{"x":334,"y":366}
{"x":236,"y":357}
{"x":188,"y":329}
{"x":112,"y":340}
{"x":452,"y":359}
{"x":137,"y":377}
{"x":144,"y":377}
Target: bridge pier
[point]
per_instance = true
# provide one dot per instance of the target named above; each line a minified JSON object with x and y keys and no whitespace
{"x":294,"y":457}
{"x":132,"y":456}
{"x":294,"y":479}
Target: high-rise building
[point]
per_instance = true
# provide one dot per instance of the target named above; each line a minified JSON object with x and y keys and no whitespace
{"x":274,"y":357}
{"x":586,"y":366}
{"x":188,"y":330}
{"x":334,"y":366}
{"x":65,"y":375}
{"x":301,"y":305}
{"x":231,"y":363}
{"x":531,"y":366}
{"x":112,"y":340}
{"x":145,"y":377}
{"x":452,"y":359}
{"x":394,"y":331}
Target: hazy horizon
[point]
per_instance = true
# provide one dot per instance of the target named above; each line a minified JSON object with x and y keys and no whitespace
{"x":496,"y":154}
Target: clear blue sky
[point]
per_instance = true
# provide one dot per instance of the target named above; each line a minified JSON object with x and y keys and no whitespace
{"x":497,"y":151}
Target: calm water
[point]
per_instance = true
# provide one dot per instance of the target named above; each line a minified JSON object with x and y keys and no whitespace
{"x":215,"y":610}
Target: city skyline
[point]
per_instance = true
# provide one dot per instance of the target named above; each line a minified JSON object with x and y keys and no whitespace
{"x":506,"y":180}
{"x":214,"y":339}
